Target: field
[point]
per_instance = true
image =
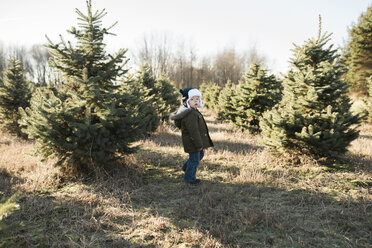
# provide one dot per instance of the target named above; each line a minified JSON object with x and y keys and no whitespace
{"x":247,"y":198}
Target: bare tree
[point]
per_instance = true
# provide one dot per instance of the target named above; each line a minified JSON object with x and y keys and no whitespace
{"x":191,"y":63}
{"x":228,"y":65}
{"x":253,"y":56}
{"x":205,"y":70}
{"x":2,"y":60}
{"x":40,"y":56}
{"x":182,"y":64}
{"x":179,"y":64}
{"x":156,"y":52}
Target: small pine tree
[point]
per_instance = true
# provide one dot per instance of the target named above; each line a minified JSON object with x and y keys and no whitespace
{"x":146,"y":105}
{"x":145,"y":84}
{"x":314,"y":115}
{"x":210,"y":93}
{"x":89,"y":121}
{"x":15,"y":92}
{"x":166,"y":97}
{"x":161,"y":91}
{"x":258,"y":93}
{"x":225,"y":110}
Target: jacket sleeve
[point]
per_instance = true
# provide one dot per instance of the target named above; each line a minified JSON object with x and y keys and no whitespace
{"x":192,"y":126}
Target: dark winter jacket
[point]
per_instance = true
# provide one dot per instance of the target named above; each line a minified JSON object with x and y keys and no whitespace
{"x":194,"y":129}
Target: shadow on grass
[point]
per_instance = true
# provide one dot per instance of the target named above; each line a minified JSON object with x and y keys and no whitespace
{"x":214,"y":212}
{"x":168,"y":139}
{"x":44,"y":221}
{"x":6,"y":182}
{"x":216,"y":128}
{"x":365,"y":136}
{"x":349,"y":162}
{"x":248,"y":215}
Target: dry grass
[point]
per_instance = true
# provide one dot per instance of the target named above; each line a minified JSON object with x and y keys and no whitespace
{"x":248,"y":198}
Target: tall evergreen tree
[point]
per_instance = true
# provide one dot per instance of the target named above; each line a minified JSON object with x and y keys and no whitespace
{"x":358,"y":54}
{"x":314,"y":115}
{"x":90,"y":120}
{"x":15,"y":92}
{"x":257,"y":93}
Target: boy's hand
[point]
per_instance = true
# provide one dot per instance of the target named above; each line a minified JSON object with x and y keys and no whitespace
{"x":200,"y":149}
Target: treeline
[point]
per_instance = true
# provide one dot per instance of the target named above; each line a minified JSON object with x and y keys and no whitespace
{"x":186,"y":68}
{"x":180,"y":63}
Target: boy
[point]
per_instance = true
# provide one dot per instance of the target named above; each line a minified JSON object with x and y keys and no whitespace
{"x":195,"y":136}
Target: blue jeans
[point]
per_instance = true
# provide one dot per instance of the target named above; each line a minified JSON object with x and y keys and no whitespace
{"x":191,"y":164}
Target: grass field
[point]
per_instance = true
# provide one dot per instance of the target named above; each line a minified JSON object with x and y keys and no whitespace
{"x":247,"y":197}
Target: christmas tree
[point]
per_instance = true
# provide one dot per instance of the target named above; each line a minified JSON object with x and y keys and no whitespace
{"x":146,"y":107}
{"x":162,"y":92}
{"x":15,"y":92}
{"x":258,"y":92}
{"x":166,"y":97}
{"x":210,"y":92}
{"x":314,"y":115}
{"x":358,"y":53}
{"x":226,"y":110}
{"x":90,"y":120}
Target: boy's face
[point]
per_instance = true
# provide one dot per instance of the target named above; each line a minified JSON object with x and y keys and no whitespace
{"x":194,"y":102}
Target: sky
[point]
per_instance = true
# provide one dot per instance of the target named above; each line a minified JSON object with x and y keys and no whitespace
{"x":270,"y":26}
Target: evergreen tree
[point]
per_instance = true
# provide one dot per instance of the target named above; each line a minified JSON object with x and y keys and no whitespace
{"x":226,"y":110}
{"x":258,"y":93}
{"x":358,"y":55}
{"x":145,"y":85}
{"x":314,"y":115}
{"x":15,"y":92}
{"x":134,"y":87}
{"x":166,"y":97}
{"x":210,"y":93}
{"x":90,"y":120}
{"x":160,"y":91}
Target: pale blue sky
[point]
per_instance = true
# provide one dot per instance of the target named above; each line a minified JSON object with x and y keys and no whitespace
{"x":210,"y":25}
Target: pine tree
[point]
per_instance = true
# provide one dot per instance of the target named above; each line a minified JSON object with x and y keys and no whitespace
{"x":145,"y":85}
{"x":210,"y":93}
{"x":258,"y":93}
{"x":226,"y":110}
{"x":166,"y":97}
{"x":135,"y":87}
{"x":91,"y":120}
{"x":15,"y":92}
{"x":314,"y":115}
{"x":358,"y":55}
